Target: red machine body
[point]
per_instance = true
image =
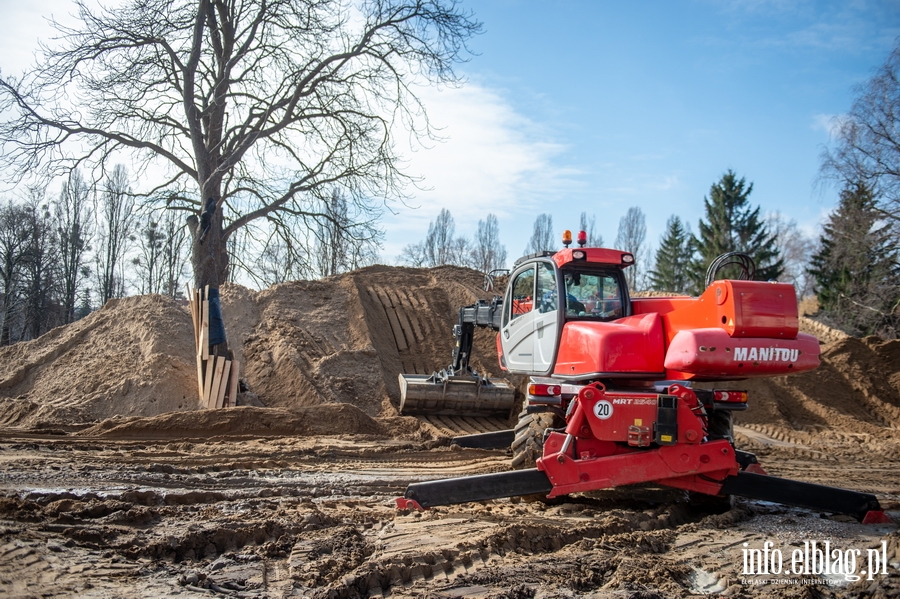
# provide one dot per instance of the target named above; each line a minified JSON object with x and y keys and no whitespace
{"x":611,"y":385}
{"x":734,"y":330}
{"x":607,"y":433}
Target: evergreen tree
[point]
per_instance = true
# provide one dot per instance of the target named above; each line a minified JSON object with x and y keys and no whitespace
{"x":856,"y":272}
{"x":672,"y":271}
{"x":733,"y":225}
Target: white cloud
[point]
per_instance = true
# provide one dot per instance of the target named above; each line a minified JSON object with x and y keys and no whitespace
{"x":491,"y":159}
{"x":829,"y":123}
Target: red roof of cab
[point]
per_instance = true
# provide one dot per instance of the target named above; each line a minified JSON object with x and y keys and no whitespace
{"x":594,"y":256}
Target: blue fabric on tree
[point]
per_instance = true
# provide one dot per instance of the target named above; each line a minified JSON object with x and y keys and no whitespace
{"x":216,"y":324}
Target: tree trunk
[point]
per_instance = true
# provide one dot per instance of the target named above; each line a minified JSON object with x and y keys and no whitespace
{"x":209,"y":258}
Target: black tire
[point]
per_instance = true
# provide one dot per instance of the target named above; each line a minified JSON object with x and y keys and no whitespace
{"x":528,"y":444}
{"x":720,"y":425}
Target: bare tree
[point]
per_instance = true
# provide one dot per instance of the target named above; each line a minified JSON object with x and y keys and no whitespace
{"x":589,"y":226}
{"x":41,"y":311}
{"x":867,"y":140}
{"x":795,"y":248}
{"x":161,"y":259}
{"x":74,"y":227}
{"x":439,"y":241}
{"x":174,"y":254}
{"x":440,"y":245}
{"x":487,"y":252}
{"x":631,"y":236}
{"x":116,"y":227}
{"x":148,"y":264}
{"x":413,"y":254}
{"x":282,"y":260}
{"x":542,"y":237}
{"x":460,"y":252}
{"x":256,"y":109}
{"x":344,"y":242}
{"x":13,"y":246}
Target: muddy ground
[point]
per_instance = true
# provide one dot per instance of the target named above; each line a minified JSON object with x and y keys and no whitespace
{"x":293,"y":516}
{"x":114,"y":484}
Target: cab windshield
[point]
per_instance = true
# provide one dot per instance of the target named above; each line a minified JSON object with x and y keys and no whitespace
{"x":592,"y":295}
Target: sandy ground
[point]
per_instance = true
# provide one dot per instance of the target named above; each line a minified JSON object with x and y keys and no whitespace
{"x":114,"y":484}
{"x":291,"y":516}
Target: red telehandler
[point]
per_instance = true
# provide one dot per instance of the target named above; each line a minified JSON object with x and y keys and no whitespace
{"x":611,"y":399}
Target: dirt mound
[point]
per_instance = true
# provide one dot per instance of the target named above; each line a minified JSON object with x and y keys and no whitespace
{"x":856,"y":389}
{"x":340,"y":340}
{"x":246,"y":420}
{"x":345,"y":339}
{"x":133,"y":357}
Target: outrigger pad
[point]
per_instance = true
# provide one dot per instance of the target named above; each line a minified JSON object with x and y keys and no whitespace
{"x":478,"y":488}
{"x":800,"y":494}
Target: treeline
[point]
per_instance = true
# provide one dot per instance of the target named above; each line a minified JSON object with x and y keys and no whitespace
{"x":679,"y":264}
{"x":852,"y":267}
{"x":67,"y":253}
{"x":63,"y":255}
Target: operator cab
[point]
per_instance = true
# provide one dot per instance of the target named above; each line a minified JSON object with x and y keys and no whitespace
{"x":548,"y":289}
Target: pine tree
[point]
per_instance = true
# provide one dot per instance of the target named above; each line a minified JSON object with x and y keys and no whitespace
{"x":672,"y":271}
{"x":856,"y":272}
{"x":733,"y":225}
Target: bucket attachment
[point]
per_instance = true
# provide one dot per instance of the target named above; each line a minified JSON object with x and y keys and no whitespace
{"x":444,"y":394}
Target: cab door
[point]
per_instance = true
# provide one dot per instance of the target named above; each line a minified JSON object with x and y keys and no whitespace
{"x":517,"y":332}
{"x":546,"y":320}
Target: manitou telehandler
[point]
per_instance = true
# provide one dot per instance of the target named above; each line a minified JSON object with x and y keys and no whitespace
{"x":611,"y":399}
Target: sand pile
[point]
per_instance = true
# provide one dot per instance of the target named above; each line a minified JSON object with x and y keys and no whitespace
{"x":856,"y":389}
{"x":343,"y":340}
{"x":133,"y":357}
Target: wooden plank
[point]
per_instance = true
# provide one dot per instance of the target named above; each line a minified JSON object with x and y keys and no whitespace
{"x":216,"y":382}
{"x":210,"y":366}
{"x":204,"y":332}
{"x":235,"y":381}
{"x":223,"y":385}
{"x":200,"y":380}
{"x":194,"y":315}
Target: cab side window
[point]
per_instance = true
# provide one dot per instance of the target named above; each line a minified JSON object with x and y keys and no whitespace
{"x":546,"y":288}
{"x":522,"y":296}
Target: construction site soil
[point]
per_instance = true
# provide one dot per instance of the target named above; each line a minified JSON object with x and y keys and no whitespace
{"x":114,"y":483}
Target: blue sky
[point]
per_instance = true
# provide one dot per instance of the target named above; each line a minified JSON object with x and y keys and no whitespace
{"x":600,"y":106}
{"x":597,"y":106}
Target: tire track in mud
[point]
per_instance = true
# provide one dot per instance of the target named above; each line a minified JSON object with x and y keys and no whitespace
{"x":61,"y":568}
{"x":464,"y":425}
{"x":413,"y":322}
{"x":820,"y":443}
{"x":399,"y":566}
